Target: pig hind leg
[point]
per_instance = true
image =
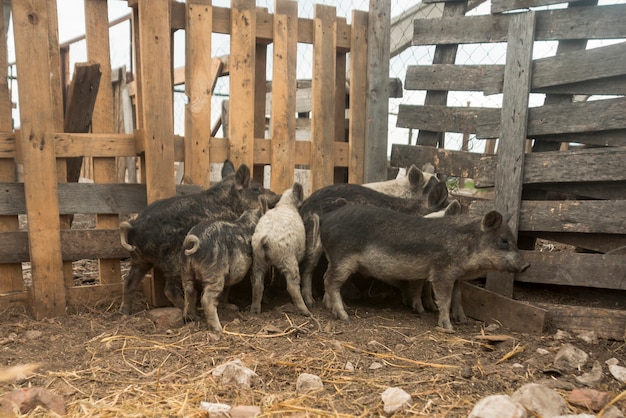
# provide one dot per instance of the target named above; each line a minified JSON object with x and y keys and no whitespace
{"x":173,"y":290}
{"x":259,"y":270}
{"x":458,"y":314}
{"x":212,"y":287}
{"x":190,"y":294}
{"x":289,"y":268}
{"x":131,"y":281}
{"x":334,"y":278}
{"x":443,"y":296}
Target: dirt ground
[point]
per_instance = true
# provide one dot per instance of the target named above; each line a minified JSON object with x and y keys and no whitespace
{"x":108,"y":365}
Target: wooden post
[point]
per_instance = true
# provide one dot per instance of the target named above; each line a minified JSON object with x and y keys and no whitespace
{"x":377,"y":107}
{"x":358,"y":97}
{"x":242,"y":82}
{"x":10,"y":274}
{"x":510,"y":169}
{"x":38,"y":98}
{"x":323,"y":101}
{"x":340,"y":173}
{"x":283,"y":123}
{"x":157,"y":118}
{"x":199,"y":90}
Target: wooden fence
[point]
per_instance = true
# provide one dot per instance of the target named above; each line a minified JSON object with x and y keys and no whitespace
{"x":575,"y":196}
{"x":51,"y":136}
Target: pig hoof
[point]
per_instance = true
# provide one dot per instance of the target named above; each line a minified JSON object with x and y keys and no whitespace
{"x":255,"y":310}
{"x":445,"y":330}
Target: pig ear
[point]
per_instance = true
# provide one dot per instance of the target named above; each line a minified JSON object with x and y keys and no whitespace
{"x":228,"y":169}
{"x":415,"y":176}
{"x":438,"y":196}
{"x":430,"y":185}
{"x":491,"y":221}
{"x":453,"y":208}
{"x":263,"y":203}
{"x":298,"y":192}
{"x":242,"y":176}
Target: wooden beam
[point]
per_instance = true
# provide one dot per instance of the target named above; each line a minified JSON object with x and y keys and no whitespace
{"x":606,"y":323}
{"x":358,"y":97}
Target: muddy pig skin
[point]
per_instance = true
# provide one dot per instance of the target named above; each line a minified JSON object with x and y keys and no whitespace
{"x":392,"y":246}
{"x":216,"y":255}
{"x":155,"y":237}
{"x":326,"y":199}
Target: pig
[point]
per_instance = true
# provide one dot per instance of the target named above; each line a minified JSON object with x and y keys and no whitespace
{"x":408,"y":186}
{"x":326,"y":199}
{"x":154,"y":238}
{"x":392,"y":246}
{"x":216,"y":254}
{"x":279,"y":240}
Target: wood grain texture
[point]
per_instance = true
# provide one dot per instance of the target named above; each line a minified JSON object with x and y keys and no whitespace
{"x":358,"y":97}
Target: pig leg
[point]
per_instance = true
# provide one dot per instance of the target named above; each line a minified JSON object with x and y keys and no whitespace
{"x":259,"y":270}
{"x":212,"y":288}
{"x":308,"y":267}
{"x":173,"y":291}
{"x":458,"y":314}
{"x":427,"y":297}
{"x":189,"y":289}
{"x":292,"y":276}
{"x":443,"y":295}
{"x":334,"y":278}
{"x":132,"y":280}
{"x":412,"y":295}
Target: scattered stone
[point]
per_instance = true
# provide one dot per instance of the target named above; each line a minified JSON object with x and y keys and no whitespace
{"x":235,"y":372}
{"x":570,"y":358}
{"x":540,"y":400}
{"x":612,"y":412}
{"x":501,"y":406}
{"x":166,"y":318}
{"x":349,"y":367}
{"x":33,"y":334}
{"x":8,"y":339}
{"x":27,"y":399}
{"x":245,"y":411}
{"x":467,"y":372}
{"x":492,"y":327}
{"x":394,"y":399}
{"x":542,"y":351}
{"x":612,"y":361}
{"x":562,"y":335}
{"x":576,"y":416}
{"x":590,"y":337}
{"x":216,"y":410}
{"x":376,"y":365}
{"x":589,"y":398}
{"x":593,"y":377}
{"x":618,"y":372}
{"x":308,"y":383}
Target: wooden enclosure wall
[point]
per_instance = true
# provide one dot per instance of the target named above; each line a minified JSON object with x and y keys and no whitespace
{"x":575,"y":196}
{"x":43,"y":144}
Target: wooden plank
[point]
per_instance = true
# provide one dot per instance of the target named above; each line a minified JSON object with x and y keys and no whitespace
{"x":499,"y":6}
{"x":358,"y":89}
{"x":449,"y":162}
{"x":377,"y":101}
{"x":609,"y":138}
{"x":603,"y":190}
{"x":38,"y":125}
{"x":582,"y":216}
{"x":570,"y":23}
{"x":606,"y":323}
{"x":260,"y":110}
{"x":444,"y":54}
{"x":605,"y":271}
{"x":242,"y":82}
{"x":341,"y":96}
{"x":490,"y":307}
{"x":10,"y":275}
{"x":597,"y":115}
{"x":95,"y":145}
{"x":604,"y":243}
{"x":323,"y":104}
{"x":81,"y":296}
{"x":104,"y":168}
{"x":283,"y":123}
{"x":486,"y":78}
{"x":199,"y":89}
{"x":442,"y":118}
{"x":510,"y":168}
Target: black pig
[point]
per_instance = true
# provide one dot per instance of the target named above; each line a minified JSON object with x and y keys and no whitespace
{"x":392,"y":246}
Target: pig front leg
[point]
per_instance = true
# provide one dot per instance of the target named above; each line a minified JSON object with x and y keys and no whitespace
{"x":458,"y":314}
{"x":131,"y":281}
{"x":173,"y":291}
{"x":443,"y":296}
{"x":258,"y":276}
{"x":334,"y":278}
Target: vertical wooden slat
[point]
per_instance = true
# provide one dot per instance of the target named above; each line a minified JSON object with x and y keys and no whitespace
{"x":376,"y":130}
{"x":104,"y":169}
{"x":340,"y":173}
{"x":510,"y":168}
{"x":199,"y":89}
{"x":242,"y":82}
{"x":323,"y":100}
{"x":10,"y":274}
{"x":155,"y":70}
{"x":283,"y":122}
{"x":38,"y":97}
{"x":358,"y":96}
{"x":260,"y":84}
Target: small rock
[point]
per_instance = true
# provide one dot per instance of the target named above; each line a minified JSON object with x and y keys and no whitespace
{"x":165,"y":318}
{"x":570,"y":358}
{"x":467,"y":372}
{"x":32,"y":334}
{"x":593,"y":377}
{"x":216,"y":410}
{"x":245,"y":411}
{"x":394,"y":399}
{"x":501,"y":406}
{"x":27,"y":399}
{"x":562,"y":335}
{"x":349,"y":367}
{"x":376,"y":365}
{"x":540,"y":400}
{"x":308,"y":382}
{"x":542,"y":351}
{"x":618,"y":372}
{"x":589,"y":398}
{"x":612,"y":361}
{"x":590,"y":337}
{"x":492,"y":327}
{"x":235,"y":372}
{"x":613,"y":412}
